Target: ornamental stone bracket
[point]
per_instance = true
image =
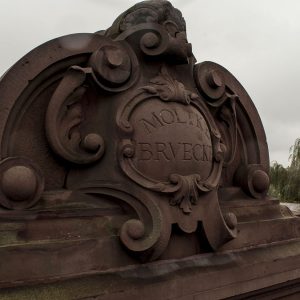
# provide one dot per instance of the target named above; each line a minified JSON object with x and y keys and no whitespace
{"x":118,"y":147}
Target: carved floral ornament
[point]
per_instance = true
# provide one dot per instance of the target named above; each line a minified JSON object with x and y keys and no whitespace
{"x":163,"y":143}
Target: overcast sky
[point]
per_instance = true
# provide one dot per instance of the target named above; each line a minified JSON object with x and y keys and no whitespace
{"x":256,"y":40}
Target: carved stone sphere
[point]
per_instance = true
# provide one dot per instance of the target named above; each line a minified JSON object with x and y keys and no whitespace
{"x":260,"y":181}
{"x":19,"y":183}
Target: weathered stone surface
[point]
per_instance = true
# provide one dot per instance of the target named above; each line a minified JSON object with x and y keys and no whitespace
{"x":117,"y":149}
{"x":259,"y":273}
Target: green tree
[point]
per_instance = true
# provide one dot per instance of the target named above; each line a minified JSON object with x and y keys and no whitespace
{"x":285,"y":182}
{"x":292,"y":189}
{"x":279,"y":176}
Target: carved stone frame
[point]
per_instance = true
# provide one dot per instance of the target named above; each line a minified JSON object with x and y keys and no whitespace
{"x":177,"y":183}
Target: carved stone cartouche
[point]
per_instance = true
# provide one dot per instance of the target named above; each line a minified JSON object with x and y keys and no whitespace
{"x":121,"y":130}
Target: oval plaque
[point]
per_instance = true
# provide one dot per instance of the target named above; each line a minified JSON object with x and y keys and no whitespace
{"x":170,"y":138}
{"x":170,"y":141}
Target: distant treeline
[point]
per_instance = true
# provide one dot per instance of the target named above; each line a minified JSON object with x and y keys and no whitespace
{"x":285,"y":182}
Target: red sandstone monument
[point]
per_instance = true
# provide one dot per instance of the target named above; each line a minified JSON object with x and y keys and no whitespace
{"x":129,"y":171}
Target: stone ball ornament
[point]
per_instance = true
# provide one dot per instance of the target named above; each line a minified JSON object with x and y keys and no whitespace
{"x":21,"y":183}
{"x":254,"y":180}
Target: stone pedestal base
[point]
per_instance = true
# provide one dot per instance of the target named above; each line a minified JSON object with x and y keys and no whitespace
{"x":267,"y":272}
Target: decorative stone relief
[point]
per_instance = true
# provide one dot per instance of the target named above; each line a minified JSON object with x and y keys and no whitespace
{"x":125,"y":122}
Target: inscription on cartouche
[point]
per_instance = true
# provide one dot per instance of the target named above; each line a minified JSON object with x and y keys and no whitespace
{"x":170,"y":138}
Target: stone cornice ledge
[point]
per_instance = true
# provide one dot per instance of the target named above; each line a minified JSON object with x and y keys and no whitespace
{"x":207,"y":276}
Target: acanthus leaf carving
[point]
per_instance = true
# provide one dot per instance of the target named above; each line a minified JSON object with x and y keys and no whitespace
{"x":169,"y":89}
{"x":64,"y":118}
{"x":188,"y":189}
